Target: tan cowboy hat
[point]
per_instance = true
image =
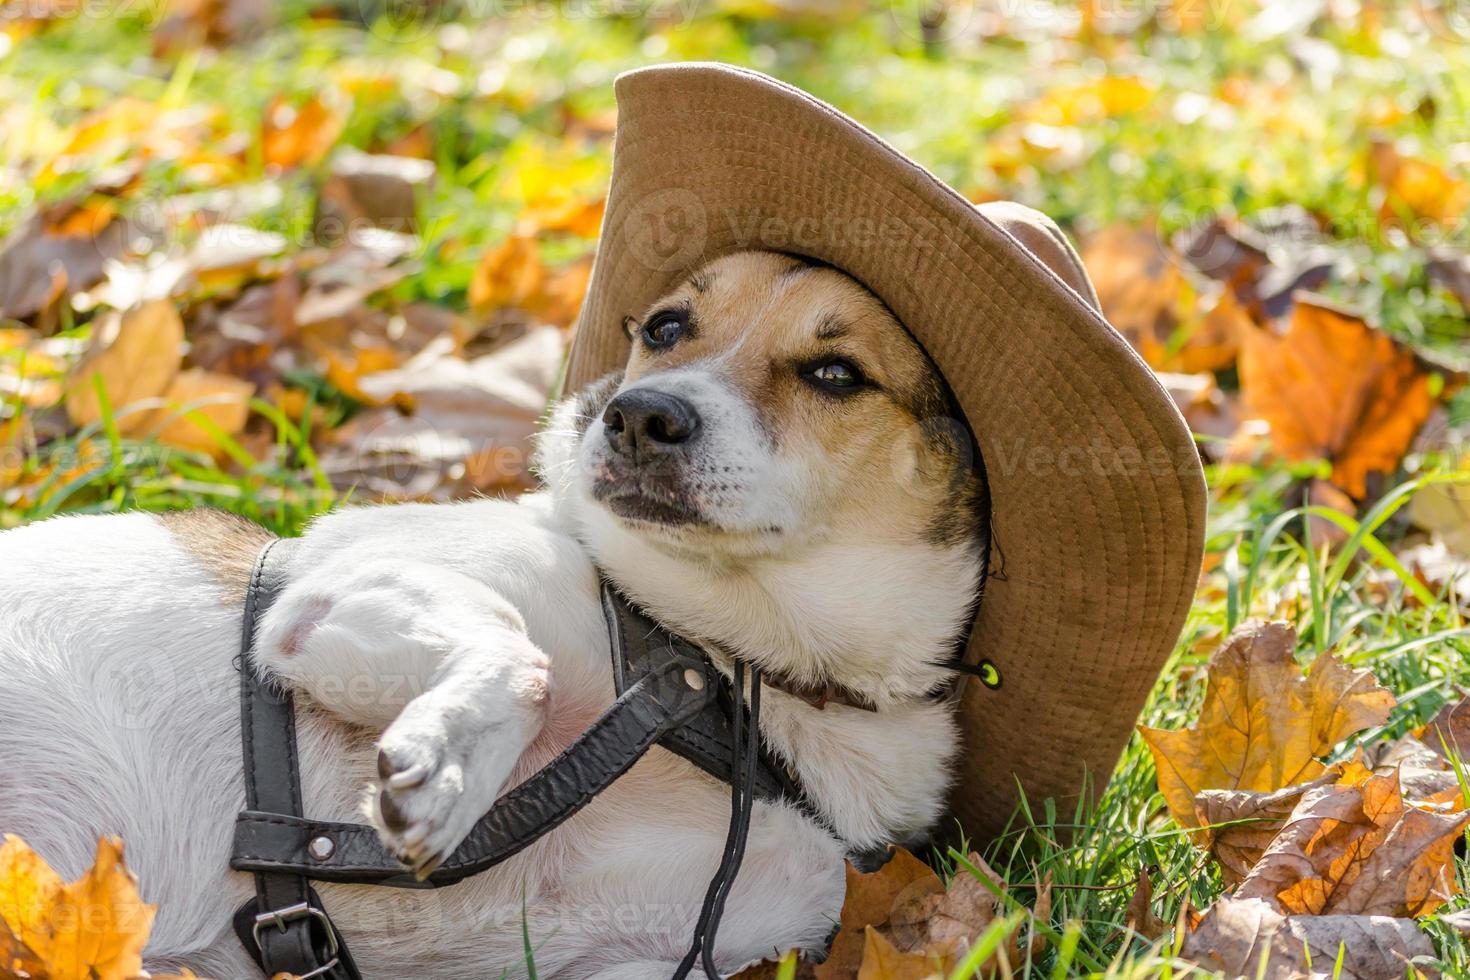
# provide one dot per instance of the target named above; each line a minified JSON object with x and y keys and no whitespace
{"x":1097,"y":496}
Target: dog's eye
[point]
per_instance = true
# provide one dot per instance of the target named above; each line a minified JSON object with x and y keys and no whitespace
{"x":838,"y":376}
{"x":663,"y":329}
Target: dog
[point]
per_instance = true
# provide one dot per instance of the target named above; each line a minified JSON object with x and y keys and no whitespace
{"x":776,"y":474}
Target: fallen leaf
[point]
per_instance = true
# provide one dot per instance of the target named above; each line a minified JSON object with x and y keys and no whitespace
{"x":221,"y":399}
{"x":137,"y":356}
{"x":293,"y":136}
{"x":1448,"y":733}
{"x":453,"y":427}
{"x":508,"y":275}
{"x":1444,"y":510}
{"x":881,"y":961}
{"x":1138,"y":284}
{"x":1358,"y":848}
{"x":42,"y":263}
{"x":1263,"y":725}
{"x":94,"y":928}
{"x":943,"y":923}
{"x":1246,"y":937}
{"x":1208,"y":411}
{"x":15,"y":437}
{"x":1254,"y":820}
{"x":870,"y":899}
{"x":1334,"y":388}
{"x":1140,"y":915}
{"x":1416,"y":189}
{"x":1452,"y":270}
{"x":370,"y":190}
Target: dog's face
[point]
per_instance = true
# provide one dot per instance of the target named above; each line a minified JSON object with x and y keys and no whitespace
{"x":778,"y":469}
{"x":767,"y":403}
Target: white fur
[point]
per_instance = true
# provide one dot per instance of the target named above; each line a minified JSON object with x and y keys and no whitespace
{"x":467,"y":639}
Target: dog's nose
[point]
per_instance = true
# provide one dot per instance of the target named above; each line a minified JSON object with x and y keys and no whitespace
{"x":645,"y":423}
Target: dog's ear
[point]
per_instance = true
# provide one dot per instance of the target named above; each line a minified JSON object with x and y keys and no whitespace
{"x":630,"y":326}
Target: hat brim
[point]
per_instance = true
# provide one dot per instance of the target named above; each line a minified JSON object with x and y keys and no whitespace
{"x":1097,"y":495}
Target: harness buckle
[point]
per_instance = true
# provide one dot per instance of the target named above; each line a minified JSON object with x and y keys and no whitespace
{"x":280,"y":918}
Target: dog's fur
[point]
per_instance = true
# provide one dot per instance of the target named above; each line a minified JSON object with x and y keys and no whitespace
{"x":442,"y":653}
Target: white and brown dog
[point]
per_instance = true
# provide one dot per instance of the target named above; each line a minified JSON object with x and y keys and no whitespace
{"x":765,"y":476}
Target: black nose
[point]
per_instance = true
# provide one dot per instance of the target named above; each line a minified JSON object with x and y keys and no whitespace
{"x":644,"y":423}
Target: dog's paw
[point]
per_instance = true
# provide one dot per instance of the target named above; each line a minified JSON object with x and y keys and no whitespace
{"x":428,"y":795}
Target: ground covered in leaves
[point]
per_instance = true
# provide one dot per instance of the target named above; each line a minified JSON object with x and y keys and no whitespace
{"x":272,"y":259}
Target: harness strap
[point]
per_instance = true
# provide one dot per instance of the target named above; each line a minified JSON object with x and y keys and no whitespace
{"x":283,"y":848}
{"x":285,"y":926}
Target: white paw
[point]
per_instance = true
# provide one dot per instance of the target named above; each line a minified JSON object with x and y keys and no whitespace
{"x":432,"y":788}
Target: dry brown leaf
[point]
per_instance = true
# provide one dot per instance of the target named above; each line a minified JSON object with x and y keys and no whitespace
{"x":1263,"y":725}
{"x":453,"y":427}
{"x":1208,"y":411}
{"x":293,"y":136}
{"x":94,"y":928}
{"x":1334,"y":388}
{"x":44,"y":259}
{"x":1254,"y":818}
{"x":882,"y":961}
{"x":137,"y":356}
{"x":220,"y":398}
{"x":870,"y":899}
{"x":1138,"y":284}
{"x":1246,"y":937}
{"x":1448,"y":733}
{"x":943,"y":923}
{"x":948,"y":918}
{"x":1140,"y":916}
{"x":1358,"y":848}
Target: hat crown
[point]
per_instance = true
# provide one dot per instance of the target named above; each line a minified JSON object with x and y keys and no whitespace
{"x":1040,"y":236}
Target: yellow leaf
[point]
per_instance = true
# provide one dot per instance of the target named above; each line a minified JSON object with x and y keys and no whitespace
{"x":508,"y":275}
{"x":1263,"y":725}
{"x":137,"y":355}
{"x":28,"y":889}
{"x":94,"y":928}
{"x":15,"y":435}
{"x":344,"y":370}
{"x":221,"y":398}
{"x":1102,"y":98}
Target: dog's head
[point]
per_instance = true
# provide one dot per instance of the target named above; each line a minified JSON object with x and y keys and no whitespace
{"x":776,"y":426}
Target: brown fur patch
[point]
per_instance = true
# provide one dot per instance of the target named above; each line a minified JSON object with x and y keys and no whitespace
{"x":225,"y":544}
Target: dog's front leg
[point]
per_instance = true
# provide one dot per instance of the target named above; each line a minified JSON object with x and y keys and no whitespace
{"x":436,"y":659}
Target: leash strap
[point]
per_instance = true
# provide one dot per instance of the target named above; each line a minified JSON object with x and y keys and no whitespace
{"x":285,"y":927}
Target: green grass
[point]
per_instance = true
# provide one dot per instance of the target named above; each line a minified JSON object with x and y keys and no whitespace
{"x":495,"y":96}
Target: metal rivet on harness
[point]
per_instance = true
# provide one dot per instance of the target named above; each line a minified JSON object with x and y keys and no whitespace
{"x":321,"y":848}
{"x":694,"y":679}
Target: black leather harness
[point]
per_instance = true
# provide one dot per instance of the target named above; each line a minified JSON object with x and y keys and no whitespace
{"x":668,"y":693}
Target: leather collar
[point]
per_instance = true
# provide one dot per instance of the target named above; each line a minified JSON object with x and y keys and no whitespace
{"x":819,"y":695}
